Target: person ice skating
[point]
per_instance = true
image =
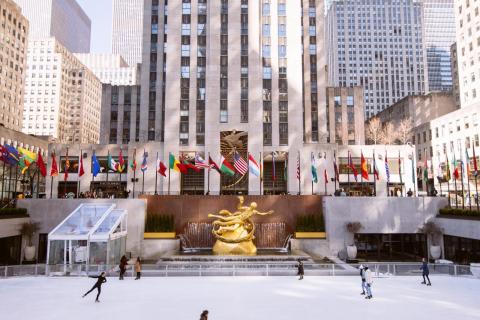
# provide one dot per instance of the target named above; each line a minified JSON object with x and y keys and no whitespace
{"x":425,"y":272}
{"x":362,"y":275}
{"x":101,"y":279}
{"x":123,"y":266}
{"x":204,"y":315}
{"x":369,"y":281}
{"x":301,"y":271}
{"x":138,"y":268}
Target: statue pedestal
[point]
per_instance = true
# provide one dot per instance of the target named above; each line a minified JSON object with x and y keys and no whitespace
{"x":243,"y":248}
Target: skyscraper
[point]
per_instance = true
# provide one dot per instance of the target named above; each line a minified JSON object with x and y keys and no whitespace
{"x":63,"y":19}
{"x":378,"y":45}
{"x":13,"y":62}
{"x":439,"y":24}
{"x":127,"y":30}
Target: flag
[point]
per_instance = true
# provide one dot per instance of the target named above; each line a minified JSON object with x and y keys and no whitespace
{"x":363,"y":166}
{"x":298,"y":166}
{"x":121,"y":162}
{"x":467,"y":164}
{"x":325,"y":175}
{"x":413,"y":169}
{"x":174,"y":164}
{"x":95,"y":165}
{"x":375,"y":169}
{"x":274,"y":174}
{"x":240,"y":165}
{"x":41,"y":165}
{"x":12,"y":156}
{"x":144,"y":166}
{"x":81,"y":171}
{"x":449,"y":175}
{"x":133,"y":164}
{"x":253,"y":166}
{"x":67,"y":166}
{"x":387,"y":169}
{"x":112,"y":164}
{"x":54,"y":168}
{"x":352,"y":167}
{"x":313,"y":168}
{"x":3,"y":154}
{"x":400,"y":167}
{"x":185,"y":165}
{"x":213,"y":165}
{"x":26,"y":158}
{"x":335,"y":167}
{"x":199,"y":162}
{"x":226,"y":167}
{"x":456,"y":175}
{"x":285,"y":169}
{"x":475,"y":168}
{"x":161,"y":168}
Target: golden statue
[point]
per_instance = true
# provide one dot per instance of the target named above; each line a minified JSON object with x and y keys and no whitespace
{"x":234,"y":231}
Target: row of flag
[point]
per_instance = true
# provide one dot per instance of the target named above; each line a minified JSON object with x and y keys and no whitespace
{"x":465,"y":164}
{"x":22,"y":158}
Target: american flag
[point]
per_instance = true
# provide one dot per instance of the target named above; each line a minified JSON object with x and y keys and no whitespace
{"x":298,"y":167}
{"x":200,"y":163}
{"x":240,"y":165}
{"x":387,"y":170}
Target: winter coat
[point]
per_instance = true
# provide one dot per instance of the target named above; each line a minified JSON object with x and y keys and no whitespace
{"x":424,"y":268}
{"x":100,"y":280}
{"x":123,"y":263}
{"x":368,"y":276}
{"x":362,"y":274}
{"x":300,"y":269}
{"x":138,"y":267}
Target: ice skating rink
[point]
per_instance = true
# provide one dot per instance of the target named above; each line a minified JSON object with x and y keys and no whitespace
{"x":240,"y":298}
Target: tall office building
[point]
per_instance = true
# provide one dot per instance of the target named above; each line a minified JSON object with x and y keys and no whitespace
{"x":63,"y":19}
{"x":439,"y":24}
{"x":378,"y":45}
{"x":13,"y":60}
{"x":127,"y":30}
{"x":62,"y":96}
{"x":468,"y":51}
{"x":111,"y":68}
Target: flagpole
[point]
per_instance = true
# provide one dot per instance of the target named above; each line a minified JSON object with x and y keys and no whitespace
{"x":361,"y":175}
{"x":64,"y":180}
{"x":38,"y":183}
{"x":414,"y":173}
{"x":134,"y":171}
{"x":9,"y":182}
{"x":335,"y":170}
{"x":156,"y":175}
{"x":169,"y":177}
{"x":78,"y":173}
{"x":455,"y":180}
{"x":108,"y":163}
{"x":400,"y":173}
{"x":3,"y":179}
{"x":16,"y":179}
{"x":234,"y":175}
{"x":463,"y":189}
{"x":448,"y":183}
{"x":274,"y":173}
{"x":476,"y":174}
{"x":374,"y":175}
{"x":348,"y":175}
{"x":468,"y":189}
{"x":119,"y":168}
{"x":208,"y":175}
{"x":261,"y":171}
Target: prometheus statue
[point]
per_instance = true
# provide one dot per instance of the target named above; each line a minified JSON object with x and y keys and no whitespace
{"x":234,"y":231}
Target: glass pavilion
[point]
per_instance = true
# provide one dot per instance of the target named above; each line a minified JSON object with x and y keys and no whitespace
{"x":93,"y":234}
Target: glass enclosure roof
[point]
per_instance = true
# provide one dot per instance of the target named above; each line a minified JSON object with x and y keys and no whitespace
{"x":112,"y":219}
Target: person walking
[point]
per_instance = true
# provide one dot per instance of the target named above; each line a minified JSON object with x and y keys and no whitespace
{"x":369,"y":281}
{"x":362,"y":276}
{"x":425,"y":272}
{"x":101,"y":279}
{"x":301,"y":270}
{"x":123,"y":266}
{"x":138,"y":268}
{"x":204,"y":315}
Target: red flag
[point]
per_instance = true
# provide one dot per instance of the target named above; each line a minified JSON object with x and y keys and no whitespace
{"x":81,"y":171}
{"x":325,"y":175}
{"x":352,"y":167}
{"x":161,"y":168}
{"x":41,"y":165}
{"x":213,"y":165}
{"x":363,"y":167}
{"x":54,"y":168}
{"x":67,"y":167}
{"x":335,"y":167}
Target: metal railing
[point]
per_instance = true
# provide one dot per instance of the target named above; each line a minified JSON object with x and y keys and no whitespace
{"x":200,"y":269}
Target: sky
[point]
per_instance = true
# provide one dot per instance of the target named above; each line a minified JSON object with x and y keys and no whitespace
{"x":100,"y":13}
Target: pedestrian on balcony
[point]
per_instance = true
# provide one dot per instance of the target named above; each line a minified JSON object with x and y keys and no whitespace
{"x":301,"y":270}
{"x":369,"y":281}
{"x":425,"y":272}
{"x":362,"y":276}
{"x":138,"y":268}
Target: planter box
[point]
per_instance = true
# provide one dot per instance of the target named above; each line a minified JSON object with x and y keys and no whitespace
{"x":159,"y":235}
{"x":310,"y":235}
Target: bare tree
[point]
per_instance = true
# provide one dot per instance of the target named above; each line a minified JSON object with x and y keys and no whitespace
{"x":388,"y":134}
{"x":374,"y":130}
{"x":404,"y":129}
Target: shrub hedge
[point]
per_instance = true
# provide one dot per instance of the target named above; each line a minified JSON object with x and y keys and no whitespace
{"x":159,"y":223}
{"x":459,"y":212}
{"x":310,"y":223}
{"x":13,"y":213}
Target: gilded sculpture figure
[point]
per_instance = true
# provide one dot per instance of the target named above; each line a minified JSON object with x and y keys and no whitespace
{"x":234,"y":231}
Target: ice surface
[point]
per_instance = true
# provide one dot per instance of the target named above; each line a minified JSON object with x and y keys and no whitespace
{"x":270,"y":298}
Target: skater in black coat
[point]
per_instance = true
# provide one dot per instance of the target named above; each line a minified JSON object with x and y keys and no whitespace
{"x":301,"y":271}
{"x":101,"y":279}
{"x":425,"y":272}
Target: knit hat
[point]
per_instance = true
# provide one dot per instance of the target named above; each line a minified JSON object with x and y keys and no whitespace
{"x":361,"y":267}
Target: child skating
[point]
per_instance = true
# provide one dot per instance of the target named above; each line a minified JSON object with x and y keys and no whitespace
{"x":101,"y":279}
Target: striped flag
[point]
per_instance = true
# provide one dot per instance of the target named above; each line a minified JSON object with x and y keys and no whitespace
{"x":144,"y":166}
{"x":352,"y":167}
{"x":335,"y":167}
{"x":240,"y":165}
{"x":200,"y":163}
{"x":253,"y":166}
{"x":387,"y":169}
{"x":298,"y":166}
